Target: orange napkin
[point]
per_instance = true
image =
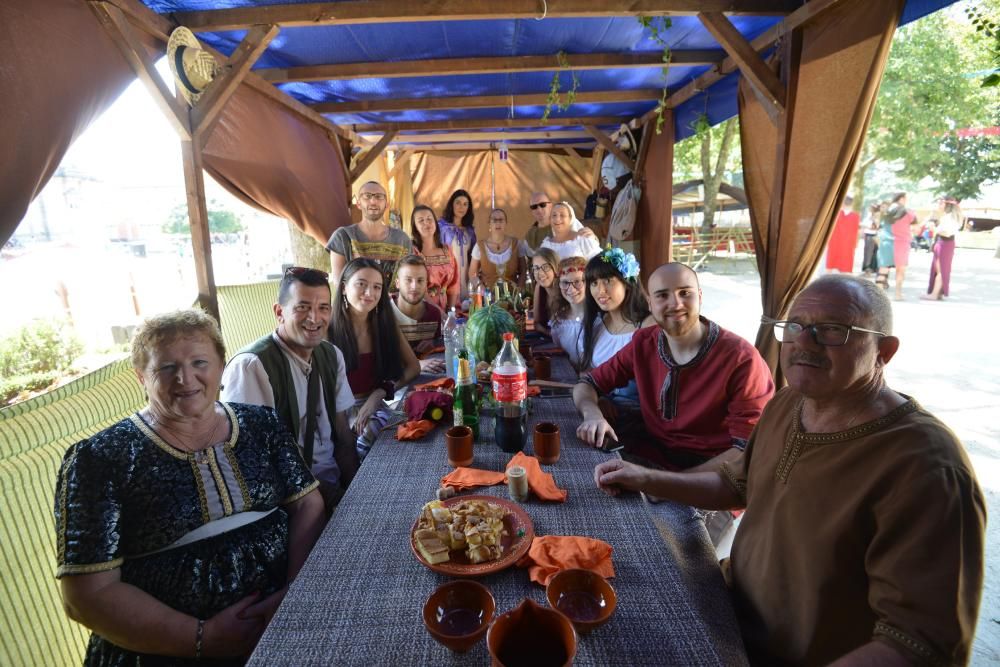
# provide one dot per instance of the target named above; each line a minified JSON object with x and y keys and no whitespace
{"x":440,"y":383}
{"x":414,"y":430}
{"x":469,"y":478}
{"x":550,"y":554}
{"x":533,"y":390}
{"x":542,"y":484}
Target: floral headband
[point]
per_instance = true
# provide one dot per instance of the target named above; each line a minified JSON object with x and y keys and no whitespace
{"x":624,"y":262}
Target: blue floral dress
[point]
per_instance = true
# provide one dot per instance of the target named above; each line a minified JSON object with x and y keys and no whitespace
{"x":461,"y":241}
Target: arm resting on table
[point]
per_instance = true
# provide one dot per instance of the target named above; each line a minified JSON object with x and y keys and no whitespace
{"x":708,"y":490}
{"x":305,"y":522}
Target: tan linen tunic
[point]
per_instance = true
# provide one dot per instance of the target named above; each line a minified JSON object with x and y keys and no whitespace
{"x":871,"y":533}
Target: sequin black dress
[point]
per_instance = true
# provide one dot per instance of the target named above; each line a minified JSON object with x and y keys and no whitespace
{"x":125,"y":495}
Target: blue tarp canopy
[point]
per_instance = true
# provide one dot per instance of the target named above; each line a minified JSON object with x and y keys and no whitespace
{"x":409,"y":74}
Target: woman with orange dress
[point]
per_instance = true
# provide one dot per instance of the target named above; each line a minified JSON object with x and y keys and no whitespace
{"x":443,"y":280}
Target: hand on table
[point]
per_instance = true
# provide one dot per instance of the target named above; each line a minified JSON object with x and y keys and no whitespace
{"x":615,"y":476}
{"x":432,"y":366}
{"x":366,"y":410}
{"x":593,"y":432}
{"x":232,"y":633}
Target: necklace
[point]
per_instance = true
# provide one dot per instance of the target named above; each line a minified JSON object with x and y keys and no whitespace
{"x":177,"y":442}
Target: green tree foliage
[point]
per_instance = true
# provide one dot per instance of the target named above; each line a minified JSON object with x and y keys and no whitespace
{"x":35,"y":356}
{"x":985,"y":18}
{"x":711,"y":154}
{"x":220,"y":221}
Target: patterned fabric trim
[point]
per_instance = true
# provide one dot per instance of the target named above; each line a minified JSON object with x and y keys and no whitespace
{"x":234,"y":464}
{"x":304,"y":492}
{"x":90,"y":568}
{"x":199,"y":484}
{"x":220,"y":482}
{"x":738,"y":485}
{"x":920,"y":649}
{"x":586,"y":377}
{"x":671,"y":385}
{"x":64,"y":505}
{"x":738,"y":443}
{"x":141,"y":424}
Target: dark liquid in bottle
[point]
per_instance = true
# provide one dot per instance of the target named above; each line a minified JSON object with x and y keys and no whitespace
{"x":580,"y":605}
{"x":509,"y":432}
{"x":459,"y":622}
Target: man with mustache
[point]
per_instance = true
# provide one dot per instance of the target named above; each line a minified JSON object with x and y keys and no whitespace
{"x":701,"y":388}
{"x":296,"y":371}
{"x":862,"y":541}
{"x":419,"y":320}
{"x":370,"y":238}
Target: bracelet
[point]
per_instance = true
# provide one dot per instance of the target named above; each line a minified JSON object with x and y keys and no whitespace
{"x":199,"y":635}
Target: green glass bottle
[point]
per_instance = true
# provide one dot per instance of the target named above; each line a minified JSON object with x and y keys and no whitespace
{"x":465,"y":407}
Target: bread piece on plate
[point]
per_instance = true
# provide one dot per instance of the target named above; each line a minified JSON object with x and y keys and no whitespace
{"x":430,"y":547}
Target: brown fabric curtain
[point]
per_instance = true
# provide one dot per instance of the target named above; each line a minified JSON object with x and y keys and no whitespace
{"x":271,"y":158}
{"x":654,"y":220}
{"x":436,"y":175}
{"x":796,"y":174}
{"x":60,"y":71}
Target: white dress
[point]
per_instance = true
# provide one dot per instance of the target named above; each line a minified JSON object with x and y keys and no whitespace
{"x":581,"y":246}
{"x":568,"y":334}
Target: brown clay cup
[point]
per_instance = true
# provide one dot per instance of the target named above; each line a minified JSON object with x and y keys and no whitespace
{"x":457,"y":614}
{"x":459,"y":442}
{"x":543,"y":367}
{"x":584,"y":596}
{"x":531,"y":635}
{"x":546,"y":442}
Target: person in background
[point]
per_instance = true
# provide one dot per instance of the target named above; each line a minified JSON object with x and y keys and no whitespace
{"x":545,"y":269}
{"x":498,"y":255}
{"x":843,"y":239}
{"x":862,"y":541}
{"x":459,"y":233}
{"x":540,"y":205}
{"x":946,"y":226}
{"x":180,"y":527}
{"x":418,"y":319}
{"x":444,"y":282}
{"x":370,"y":238}
{"x":870,"y":227}
{"x":896,"y":253}
{"x":296,"y":371}
{"x":565,"y":241}
{"x":376,"y":354}
{"x":567,"y":315}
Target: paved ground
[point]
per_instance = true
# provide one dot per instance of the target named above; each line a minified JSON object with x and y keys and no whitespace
{"x":948,"y":360}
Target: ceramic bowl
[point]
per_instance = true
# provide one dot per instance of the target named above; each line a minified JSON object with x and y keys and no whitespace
{"x":457,"y":614}
{"x":585,"y":597}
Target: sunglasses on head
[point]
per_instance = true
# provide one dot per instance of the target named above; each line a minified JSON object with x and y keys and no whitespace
{"x":541,"y":204}
{"x":306,"y":272}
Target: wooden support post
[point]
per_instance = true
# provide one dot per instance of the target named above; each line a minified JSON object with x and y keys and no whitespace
{"x":746,"y":58}
{"x":370,"y":156}
{"x":640,"y":159}
{"x":605,"y":140}
{"x":201,"y":238}
{"x":595,"y":168}
{"x":402,"y":159}
{"x":206,"y":113}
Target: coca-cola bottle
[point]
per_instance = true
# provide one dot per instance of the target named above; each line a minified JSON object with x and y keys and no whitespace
{"x":510,"y":389}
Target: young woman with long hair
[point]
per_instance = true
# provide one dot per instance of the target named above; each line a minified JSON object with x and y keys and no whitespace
{"x":377,"y":356}
{"x":458,"y":233}
{"x":498,"y":255}
{"x":545,"y":269}
{"x":444,"y":282}
{"x":566,"y":324}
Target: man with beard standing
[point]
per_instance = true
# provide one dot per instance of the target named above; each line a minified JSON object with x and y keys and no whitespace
{"x":370,"y":238}
{"x":419,"y":320}
{"x":862,"y":541}
{"x":701,"y":388}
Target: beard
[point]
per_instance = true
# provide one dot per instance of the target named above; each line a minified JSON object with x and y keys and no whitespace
{"x":677,"y":328}
{"x":406,"y":297}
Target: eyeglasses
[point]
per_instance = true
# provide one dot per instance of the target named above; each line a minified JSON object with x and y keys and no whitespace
{"x":369,"y":196}
{"x":544,"y":268}
{"x":498,"y":220}
{"x":571,"y":284}
{"x":827,"y":334}
{"x":541,"y":204}
{"x":305,"y":272}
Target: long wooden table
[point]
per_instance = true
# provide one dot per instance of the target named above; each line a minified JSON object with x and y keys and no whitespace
{"x":358,"y":600}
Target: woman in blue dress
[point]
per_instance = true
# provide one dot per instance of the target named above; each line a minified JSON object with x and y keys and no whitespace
{"x":459,"y":234}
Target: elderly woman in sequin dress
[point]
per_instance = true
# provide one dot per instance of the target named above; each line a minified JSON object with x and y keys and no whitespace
{"x":180,"y":527}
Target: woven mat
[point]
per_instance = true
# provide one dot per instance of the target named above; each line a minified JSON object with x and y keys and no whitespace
{"x":359,"y":598}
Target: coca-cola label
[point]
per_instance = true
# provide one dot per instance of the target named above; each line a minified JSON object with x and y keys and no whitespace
{"x":510,"y":388}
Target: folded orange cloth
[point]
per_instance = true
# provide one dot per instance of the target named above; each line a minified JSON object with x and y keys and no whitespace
{"x":414,"y":430}
{"x":440,"y":383}
{"x":469,"y":478}
{"x":542,"y":484}
{"x":534,"y":391}
{"x":550,"y":554}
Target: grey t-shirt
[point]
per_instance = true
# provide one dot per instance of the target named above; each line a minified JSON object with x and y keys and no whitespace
{"x":351,"y":242}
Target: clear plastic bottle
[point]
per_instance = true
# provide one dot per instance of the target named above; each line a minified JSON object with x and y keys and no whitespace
{"x":448,"y":333}
{"x":458,"y":345}
{"x":510,"y":389}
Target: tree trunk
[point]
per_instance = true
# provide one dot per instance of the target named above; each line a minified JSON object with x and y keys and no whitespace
{"x":858,"y":186}
{"x":306,"y":251}
{"x":712,"y":180}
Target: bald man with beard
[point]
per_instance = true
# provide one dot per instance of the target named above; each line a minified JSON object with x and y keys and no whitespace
{"x":862,"y":541}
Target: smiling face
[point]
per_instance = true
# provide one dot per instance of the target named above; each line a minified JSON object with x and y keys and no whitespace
{"x":460,"y":207}
{"x":571,"y":284}
{"x":363,"y":290}
{"x":304,"y":317}
{"x":425,"y":223}
{"x":675,"y":299}
{"x":543,"y":206}
{"x":544,"y":273}
{"x":182,"y":377}
{"x":609,"y":293}
{"x":561,"y":221}
{"x":411,"y":280}
{"x":372,"y":201}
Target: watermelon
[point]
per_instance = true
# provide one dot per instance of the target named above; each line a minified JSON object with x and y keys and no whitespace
{"x":485,"y":329}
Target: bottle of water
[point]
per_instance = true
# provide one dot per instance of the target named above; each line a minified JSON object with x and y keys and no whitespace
{"x":510,"y":389}
{"x":459,"y":346}
{"x":447,"y":332}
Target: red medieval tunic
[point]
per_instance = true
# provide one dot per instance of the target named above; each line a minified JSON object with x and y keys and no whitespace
{"x":843,"y":241}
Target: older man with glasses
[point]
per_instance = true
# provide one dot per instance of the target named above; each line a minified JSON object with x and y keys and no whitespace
{"x":370,"y":238}
{"x":862,"y":541}
{"x":540,"y":205}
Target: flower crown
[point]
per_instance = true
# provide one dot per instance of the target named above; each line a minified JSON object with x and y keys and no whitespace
{"x":624,"y":262}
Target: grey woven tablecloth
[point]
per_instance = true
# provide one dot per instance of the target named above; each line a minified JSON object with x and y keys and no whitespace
{"x":358,"y":600}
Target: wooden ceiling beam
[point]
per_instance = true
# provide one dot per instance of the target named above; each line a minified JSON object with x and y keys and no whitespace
{"x":503,"y":65}
{"x":355,"y":12}
{"x":496,"y":137}
{"x":487,"y":145}
{"x":605,"y":141}
{"x":480,"y":123}
{"x":478,"y":101}
{"x":365,"y":160}
{"x":752,"y":66}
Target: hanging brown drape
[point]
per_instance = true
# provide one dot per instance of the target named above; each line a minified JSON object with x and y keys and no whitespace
{"x":436,"y":175}
{"x":271,"y":158}
{"x":59,"y":72}
{"x":654,"y":220}
{"x":797,"y":173}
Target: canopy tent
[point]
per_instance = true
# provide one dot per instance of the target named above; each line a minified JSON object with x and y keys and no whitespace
{"x":304,"y":85}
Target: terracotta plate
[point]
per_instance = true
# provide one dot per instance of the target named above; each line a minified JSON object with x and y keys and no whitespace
{"x":520,"y":532}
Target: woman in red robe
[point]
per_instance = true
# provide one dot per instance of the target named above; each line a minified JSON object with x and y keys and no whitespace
{"x":843,"y":240}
